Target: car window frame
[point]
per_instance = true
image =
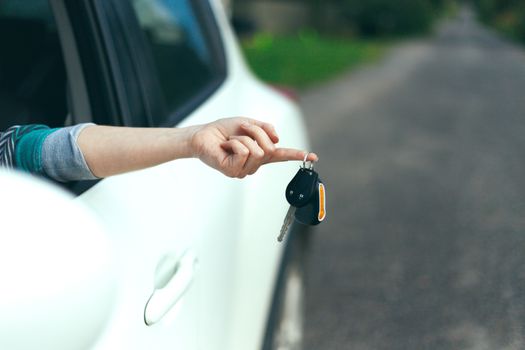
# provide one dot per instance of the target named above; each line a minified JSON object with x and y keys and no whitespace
{"x":102,"y":97}
{"x":212,"y":35}
{"x":90,"y":39}
{"x":77,"y":95}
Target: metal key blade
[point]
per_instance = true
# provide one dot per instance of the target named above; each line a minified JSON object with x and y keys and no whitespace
{"x":286,"y":224}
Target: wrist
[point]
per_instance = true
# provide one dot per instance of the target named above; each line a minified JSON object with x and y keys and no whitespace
{"x":190,"y":148}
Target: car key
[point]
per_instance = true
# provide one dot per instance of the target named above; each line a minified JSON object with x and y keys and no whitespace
{"x":298,"y":194}
{"x":302,"y":187}
{"x":315,"y":211}
{"x":288,"y":219}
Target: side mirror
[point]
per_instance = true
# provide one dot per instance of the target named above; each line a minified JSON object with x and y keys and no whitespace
{"x":58,"y":286}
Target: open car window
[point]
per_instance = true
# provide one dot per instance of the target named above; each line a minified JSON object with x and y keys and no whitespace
{"x":32,"y":71}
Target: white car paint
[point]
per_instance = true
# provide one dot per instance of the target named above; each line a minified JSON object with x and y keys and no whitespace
{"x":155,"y":218}
{"x":56,"y":268}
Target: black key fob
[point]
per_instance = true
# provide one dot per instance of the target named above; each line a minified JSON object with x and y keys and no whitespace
{"x":302,"y":187}
{"x":315,"y":210}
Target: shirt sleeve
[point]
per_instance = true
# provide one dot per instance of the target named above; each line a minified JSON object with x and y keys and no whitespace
{"x":50,"y":152}
{"x":62,"y":159}
{"x":20,"y":146}
{"x":7,"y":148}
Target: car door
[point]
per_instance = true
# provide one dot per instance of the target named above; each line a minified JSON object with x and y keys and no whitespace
{"x":194,"y":74}
{"x":191,"y":49}
{"x":155,"y":215}
{"x":172,"y":225}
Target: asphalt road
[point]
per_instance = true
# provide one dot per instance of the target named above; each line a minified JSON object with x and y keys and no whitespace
{"x":423,"y":155}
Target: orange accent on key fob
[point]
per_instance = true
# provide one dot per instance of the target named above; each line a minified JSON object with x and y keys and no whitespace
{"x":322,"y":203}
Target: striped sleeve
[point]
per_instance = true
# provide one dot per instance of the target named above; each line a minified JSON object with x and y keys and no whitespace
{"x":7,"y":146}
{"x":16,"y":140}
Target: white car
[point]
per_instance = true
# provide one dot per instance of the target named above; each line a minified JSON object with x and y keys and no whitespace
{"x":173,"y":257}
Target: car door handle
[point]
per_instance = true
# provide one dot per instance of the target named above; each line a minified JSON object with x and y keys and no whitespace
{"x":170,"y":286}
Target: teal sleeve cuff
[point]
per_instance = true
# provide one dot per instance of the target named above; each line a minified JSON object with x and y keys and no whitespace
{"x":28,"y":149}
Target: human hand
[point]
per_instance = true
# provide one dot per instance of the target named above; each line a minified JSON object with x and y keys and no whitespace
{"x":239,"y":146}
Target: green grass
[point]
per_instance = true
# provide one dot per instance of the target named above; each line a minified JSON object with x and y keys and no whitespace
{"x":307,"y":58}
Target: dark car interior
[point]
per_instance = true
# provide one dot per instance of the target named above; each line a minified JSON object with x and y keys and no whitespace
{"x":32,"y":72}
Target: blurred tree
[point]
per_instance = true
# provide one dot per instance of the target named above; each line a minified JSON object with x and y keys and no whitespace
{"x":364,"y":17}
{"x":386,"y":17}
{"x":506,"y":15}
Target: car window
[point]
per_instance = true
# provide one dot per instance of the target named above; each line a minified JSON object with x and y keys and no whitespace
{"x":186,"y":61}
{"x":32,"y":70}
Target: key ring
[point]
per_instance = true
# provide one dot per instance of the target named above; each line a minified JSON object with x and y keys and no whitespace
{"x":304,"y":162}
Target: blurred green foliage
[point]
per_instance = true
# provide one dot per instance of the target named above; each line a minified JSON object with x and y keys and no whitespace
{"x":506,"y":15}
{"x":364,"y":27}
{"x":305,"y":58}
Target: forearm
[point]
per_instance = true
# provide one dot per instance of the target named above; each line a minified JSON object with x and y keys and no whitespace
{"x":115,"y":150}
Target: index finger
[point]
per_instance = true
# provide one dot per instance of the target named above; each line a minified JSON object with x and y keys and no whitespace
{"x":286,"y":154}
